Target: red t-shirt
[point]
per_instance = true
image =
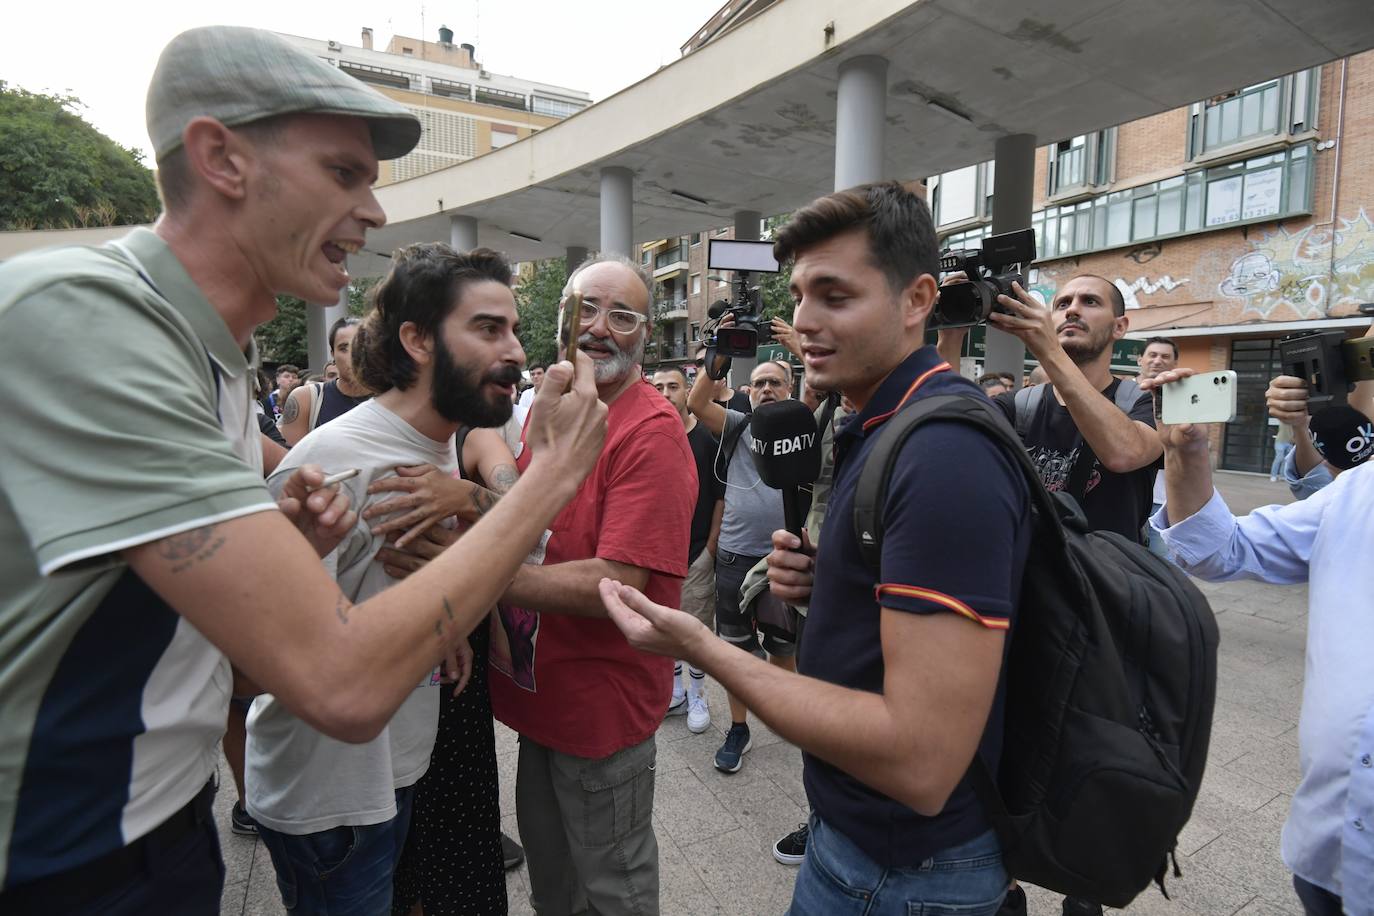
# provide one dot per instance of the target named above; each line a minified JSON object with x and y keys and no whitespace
{"x":573,"y":683}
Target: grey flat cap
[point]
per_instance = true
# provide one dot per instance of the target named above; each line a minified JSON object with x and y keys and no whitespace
{"x":238,"y":76}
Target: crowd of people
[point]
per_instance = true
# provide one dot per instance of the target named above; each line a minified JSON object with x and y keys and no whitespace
{"x":347,"y":580}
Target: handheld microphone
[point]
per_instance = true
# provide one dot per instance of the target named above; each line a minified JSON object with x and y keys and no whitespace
{"x":786,"y":452}
{"x":1343,"y":435}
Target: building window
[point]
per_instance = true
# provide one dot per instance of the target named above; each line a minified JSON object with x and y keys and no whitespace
{"x":696,"y":330}
{"x":1272,"y":186}
{"x":1081,"y":162}
{"x":962,"y":195}
{"x":555,"y":107}
{"x":696,"y":284}
{"x":503,"y":135}
{"x":490,"y":96}
{"x":1275,"y":108}
{"x":696,"y":238}
{"x":377,"y":76}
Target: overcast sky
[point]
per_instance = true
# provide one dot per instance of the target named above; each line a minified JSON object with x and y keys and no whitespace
{"x":104,"y":52}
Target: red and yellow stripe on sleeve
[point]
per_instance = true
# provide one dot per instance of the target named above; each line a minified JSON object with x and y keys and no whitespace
{"x":940,"y":598}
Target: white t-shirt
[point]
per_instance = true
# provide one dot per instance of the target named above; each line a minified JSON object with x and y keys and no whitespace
{"x":298,"y":780}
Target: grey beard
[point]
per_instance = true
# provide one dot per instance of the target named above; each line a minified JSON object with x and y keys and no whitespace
{"x":621,"y":362}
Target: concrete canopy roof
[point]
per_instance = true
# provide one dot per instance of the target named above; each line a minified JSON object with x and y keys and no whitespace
{"x":748,"y":121}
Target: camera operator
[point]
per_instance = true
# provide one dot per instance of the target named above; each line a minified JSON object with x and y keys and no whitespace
{"x":899,"y":683}
{"x":1072,"y":338}
{"x":1328,"y":840}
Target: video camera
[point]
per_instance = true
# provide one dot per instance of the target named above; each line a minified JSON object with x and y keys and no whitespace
{"x":991,"y":271}
{"x":1329,"y":362}
{"x":746,"y":302}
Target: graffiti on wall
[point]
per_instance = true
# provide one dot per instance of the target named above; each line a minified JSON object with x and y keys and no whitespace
{"x":1145,"y":285}
{"x":1312,"y":272}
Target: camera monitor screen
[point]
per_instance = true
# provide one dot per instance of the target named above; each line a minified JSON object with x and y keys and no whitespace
{"x":734,"y":254}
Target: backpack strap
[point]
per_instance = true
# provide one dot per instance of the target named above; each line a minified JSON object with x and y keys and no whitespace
{"x":728,"y":443}
{"x":316,"y":402}
{"x":459,"y":439}
{"x":1028,"y":401}
{"x":870,"y":493}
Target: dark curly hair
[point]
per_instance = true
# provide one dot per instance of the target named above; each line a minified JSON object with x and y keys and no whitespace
{"x":425,"y":284}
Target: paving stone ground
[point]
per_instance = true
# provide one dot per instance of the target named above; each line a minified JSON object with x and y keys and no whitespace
{"x":715,"y":831}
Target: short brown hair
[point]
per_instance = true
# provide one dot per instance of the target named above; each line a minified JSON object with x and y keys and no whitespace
{"x":901,"y":234}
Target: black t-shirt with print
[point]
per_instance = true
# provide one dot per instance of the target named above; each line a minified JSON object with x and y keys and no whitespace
{"x":1114,"y":502}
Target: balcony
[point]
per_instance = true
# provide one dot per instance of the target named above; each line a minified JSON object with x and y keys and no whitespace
{"x":670,"y":262}
{"x":671,"y":310}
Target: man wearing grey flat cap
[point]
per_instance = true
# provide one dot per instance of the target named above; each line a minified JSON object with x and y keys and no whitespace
{"x":140,"y":551}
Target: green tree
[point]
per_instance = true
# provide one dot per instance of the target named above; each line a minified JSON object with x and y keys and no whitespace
{"x":58,"y":172}
{"x":285,"y":339}
{"x":536,"y":300}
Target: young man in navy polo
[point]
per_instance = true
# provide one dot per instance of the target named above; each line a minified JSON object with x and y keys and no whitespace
{"x":900,"y":679}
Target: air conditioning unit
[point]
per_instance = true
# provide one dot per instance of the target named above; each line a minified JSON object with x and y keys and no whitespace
{"x":335,"y":46}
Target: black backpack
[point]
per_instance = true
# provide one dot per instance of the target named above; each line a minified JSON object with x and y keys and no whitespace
{"x":1110,"y":685}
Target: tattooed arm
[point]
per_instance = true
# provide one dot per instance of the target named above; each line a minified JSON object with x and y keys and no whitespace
{"x":487,"y":453}
{"x":295,"y":414}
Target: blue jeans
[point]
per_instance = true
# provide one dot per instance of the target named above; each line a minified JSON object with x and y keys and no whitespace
{"x":345,"y":871}
{"x":838,"y":879}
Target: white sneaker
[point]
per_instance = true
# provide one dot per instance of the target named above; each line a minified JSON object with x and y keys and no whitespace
{"x":698,"y":714}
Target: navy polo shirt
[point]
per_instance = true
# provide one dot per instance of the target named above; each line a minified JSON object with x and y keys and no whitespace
{"x":955,"y":540}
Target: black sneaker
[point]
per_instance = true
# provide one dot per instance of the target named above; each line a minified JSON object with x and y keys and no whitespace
{"x":1014,"y":904}
{"x":1077,"y":906}
{"x":730,"y":757}
{"x":791,"y":849}
{"x":240,"y":822}
{"x":512,"y":853}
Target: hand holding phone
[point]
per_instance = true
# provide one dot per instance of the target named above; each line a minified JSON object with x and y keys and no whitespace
{"x":570,"y":324}
{"x":1209,"y":397}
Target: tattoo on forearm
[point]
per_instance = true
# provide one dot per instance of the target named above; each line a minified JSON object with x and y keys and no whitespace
{"x":190,"y":547}
{"x":439,"y":630}
{"x":503,"y":477}
{"x":482,"y":500}
{"x":291,"y":410}
{"x":448,"y":609}
{"x":342,"y":608}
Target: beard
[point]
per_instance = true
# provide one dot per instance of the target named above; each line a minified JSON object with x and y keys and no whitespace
{"x":1086,"y":349}
{"x":457,"y":395}
{"x":620,"y":362}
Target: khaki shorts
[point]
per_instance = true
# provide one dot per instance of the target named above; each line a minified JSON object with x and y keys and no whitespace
{"x":699,"y":589}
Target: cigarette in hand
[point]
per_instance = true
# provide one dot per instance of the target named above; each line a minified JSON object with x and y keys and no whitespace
{"x":335,"y":478}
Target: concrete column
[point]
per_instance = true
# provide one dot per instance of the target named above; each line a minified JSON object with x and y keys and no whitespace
{"x":617,"y":210}
{"x":860,"y":121}
{"x":462,"y":232}
{"x":573,"y":255}
{"x":317,"y":322}
{"x":1013,"y":189}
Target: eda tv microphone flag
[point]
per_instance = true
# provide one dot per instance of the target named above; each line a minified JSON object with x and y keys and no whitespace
{"x":1343,"y":435}
{"x":787,"y":452}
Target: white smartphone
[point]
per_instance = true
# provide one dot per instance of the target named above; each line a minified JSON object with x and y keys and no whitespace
{"x":1209,"y":397}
